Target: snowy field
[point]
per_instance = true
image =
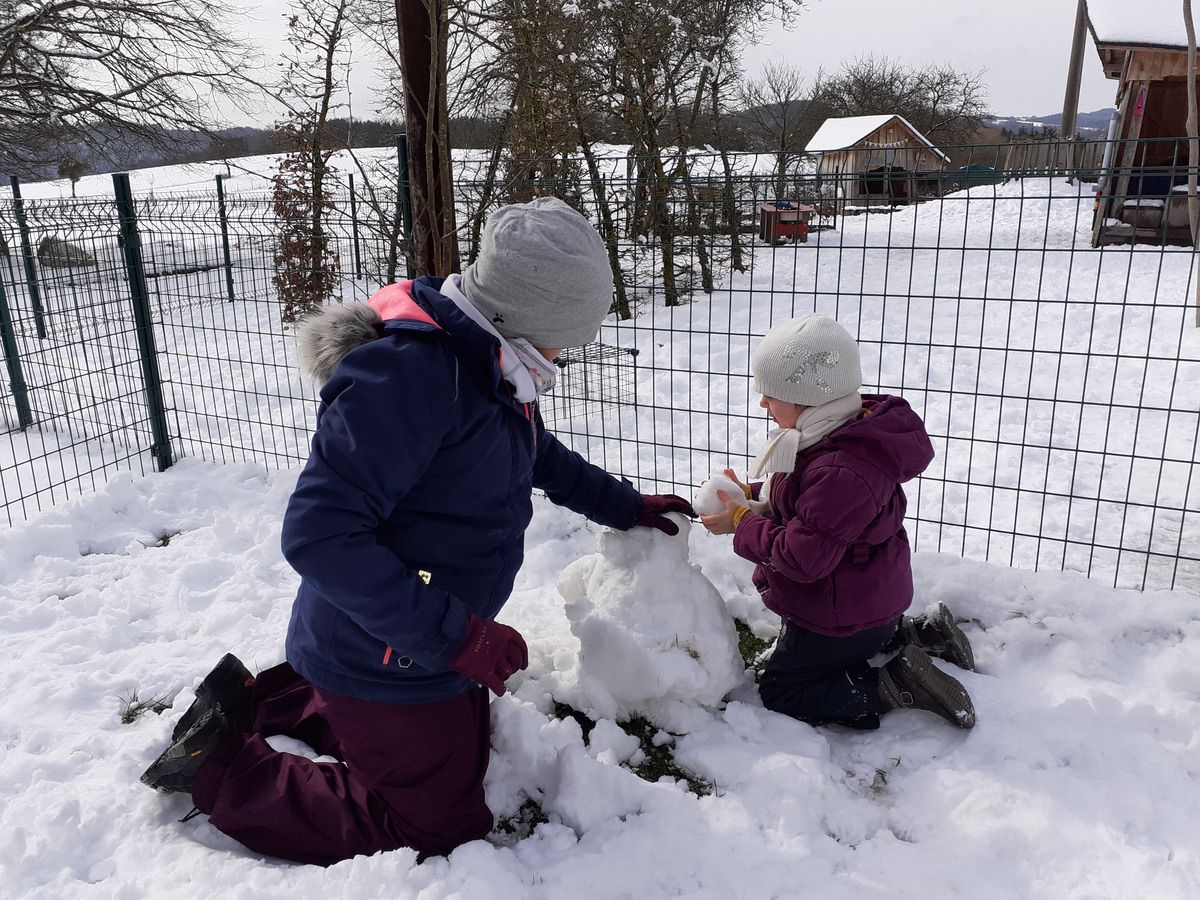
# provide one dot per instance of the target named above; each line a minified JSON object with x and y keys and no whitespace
{"x":251,"y":174}
{"x":1079,"y":781}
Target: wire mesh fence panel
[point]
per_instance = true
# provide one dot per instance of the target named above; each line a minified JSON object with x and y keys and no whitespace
{"x":73,"y":336}
{"x":233,"y":391}
{"x":1042,"y":326}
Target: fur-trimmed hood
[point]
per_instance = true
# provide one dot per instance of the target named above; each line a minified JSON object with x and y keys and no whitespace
{"x":323,"y":340}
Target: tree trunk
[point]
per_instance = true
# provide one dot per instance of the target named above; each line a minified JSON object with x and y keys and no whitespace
{"x":660,"y":218}
{"x":423,"y":31}
{"x":697,"y":231}
{"x":730,"y":216}
{"x":608,"y":232}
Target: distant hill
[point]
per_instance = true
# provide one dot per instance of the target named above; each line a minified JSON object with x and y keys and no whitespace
{"x":1088,"y":123}
{"x":110,"y":150}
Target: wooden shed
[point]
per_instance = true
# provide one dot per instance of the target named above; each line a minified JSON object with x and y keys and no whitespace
{"x":1141,"y":196}
{"x":875,"y":159}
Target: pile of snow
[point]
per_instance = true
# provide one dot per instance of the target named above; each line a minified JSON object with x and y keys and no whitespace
{"x":655,"y":636}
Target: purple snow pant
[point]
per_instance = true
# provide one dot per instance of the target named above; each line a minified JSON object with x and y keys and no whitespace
{"x":412,"y":774}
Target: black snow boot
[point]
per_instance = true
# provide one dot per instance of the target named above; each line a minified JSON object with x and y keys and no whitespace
{"x":229,"y":684}
{"x":938,"y":635}
{"x":911,"y":681}
{"x":175,"y":771}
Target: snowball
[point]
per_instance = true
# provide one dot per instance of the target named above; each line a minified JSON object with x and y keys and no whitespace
{"x":654,"y":633}
{"x":706,"y":502}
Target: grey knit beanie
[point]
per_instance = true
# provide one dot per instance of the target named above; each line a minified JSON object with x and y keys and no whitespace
{"x":810,"y":360}
{"x":542,"y":274}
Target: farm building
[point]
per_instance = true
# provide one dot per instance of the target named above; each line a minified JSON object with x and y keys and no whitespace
{"x":1142,"y":192}
{"x":876,"y":159}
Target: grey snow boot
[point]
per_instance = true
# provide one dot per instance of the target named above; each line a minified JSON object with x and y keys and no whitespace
{"x":911,"y":681}
{"x":938,"y":635}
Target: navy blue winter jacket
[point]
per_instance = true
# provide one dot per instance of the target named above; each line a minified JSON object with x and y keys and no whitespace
{"x":412,"y":509}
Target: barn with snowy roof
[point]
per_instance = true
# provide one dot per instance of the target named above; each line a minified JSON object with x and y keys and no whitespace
{"x":1142,"y":192}
{"x":876,"y":159}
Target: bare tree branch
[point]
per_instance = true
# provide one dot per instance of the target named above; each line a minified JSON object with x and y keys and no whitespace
{"x":74,"y":72}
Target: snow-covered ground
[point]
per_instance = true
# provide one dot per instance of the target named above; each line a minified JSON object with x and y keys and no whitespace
{"x":1079,"y":781}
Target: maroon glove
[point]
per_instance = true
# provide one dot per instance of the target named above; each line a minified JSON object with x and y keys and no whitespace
{"x":655,"y":505}
{"x":490,"y":654}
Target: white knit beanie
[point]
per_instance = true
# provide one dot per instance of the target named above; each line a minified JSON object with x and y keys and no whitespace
{"x":542,"y":274}
{"x":810,"y":361}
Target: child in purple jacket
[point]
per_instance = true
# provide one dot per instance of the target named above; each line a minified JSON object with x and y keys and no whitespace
{"x":826,"y":530}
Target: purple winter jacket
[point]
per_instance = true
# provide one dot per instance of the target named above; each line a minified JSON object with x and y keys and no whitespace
{"x":832,"y":554}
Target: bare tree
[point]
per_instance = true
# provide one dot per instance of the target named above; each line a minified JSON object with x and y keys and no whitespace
{"x":946,"y":105}
{"x":74,"y":73}
{"x":424,"y":32}
{"x":780,"y":108}
{"x":730,"y":211}
{"x":306,"y":263}
{"x":73,"y":169}
{"x":951,"y":105}
{"x":662,"y":58}
{"x":568,"y":75}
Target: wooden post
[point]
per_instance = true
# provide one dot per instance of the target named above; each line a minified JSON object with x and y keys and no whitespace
{"x":1128,"y":148}
{"x":1111,"y":158}
{"x":1074,"y":75}
{"x":1193,"y":142}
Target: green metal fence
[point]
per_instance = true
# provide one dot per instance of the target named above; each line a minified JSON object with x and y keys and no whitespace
{"x":1055,"y":368}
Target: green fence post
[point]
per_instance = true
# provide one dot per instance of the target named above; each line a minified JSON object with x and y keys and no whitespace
{"x":354,"y":228}
{"x":406,"y":209}
{"x":12,"y":361}
{"x":31,"y":279}
{"x":139,"y":294}
{"x":225,"y":237}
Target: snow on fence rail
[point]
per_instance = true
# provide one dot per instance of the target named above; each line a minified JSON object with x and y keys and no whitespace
{"x":1057,"y":378}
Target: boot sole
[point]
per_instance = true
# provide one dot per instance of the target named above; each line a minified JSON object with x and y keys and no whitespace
{"x":947,"y":692}
{"x":174,"y":772}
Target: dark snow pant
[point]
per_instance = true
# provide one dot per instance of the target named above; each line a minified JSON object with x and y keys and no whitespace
{"x":825,"y":680}
{"x":410,"y":775}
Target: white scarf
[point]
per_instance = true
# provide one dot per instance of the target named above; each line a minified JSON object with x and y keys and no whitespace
{"x":529,"y":373}
{"x":813,"y":424}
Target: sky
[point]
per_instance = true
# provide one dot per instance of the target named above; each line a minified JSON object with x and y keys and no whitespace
{"x":1022,"y":46}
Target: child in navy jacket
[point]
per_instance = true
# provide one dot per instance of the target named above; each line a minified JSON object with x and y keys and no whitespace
{"x":407,"y":529}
